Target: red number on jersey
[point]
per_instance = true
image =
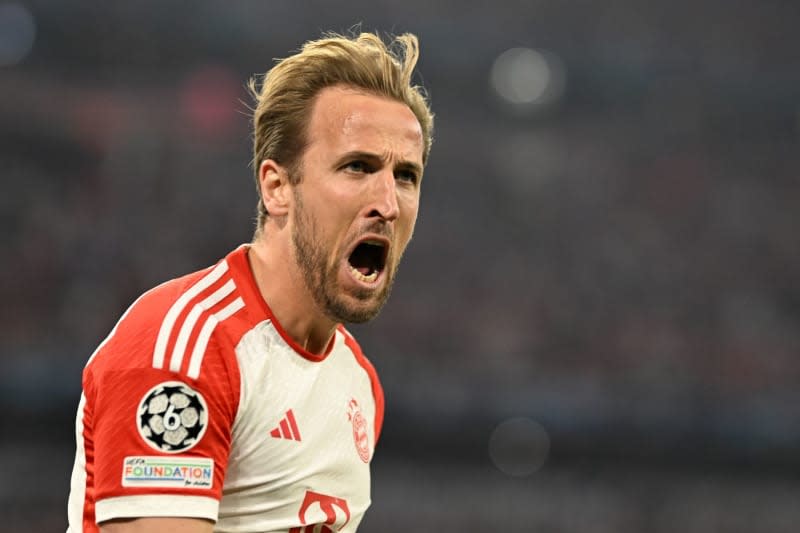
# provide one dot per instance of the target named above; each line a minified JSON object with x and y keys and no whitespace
{"x":328,"y":506}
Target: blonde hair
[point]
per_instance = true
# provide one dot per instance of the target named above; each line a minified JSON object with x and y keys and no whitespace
{"x":286,"y":94}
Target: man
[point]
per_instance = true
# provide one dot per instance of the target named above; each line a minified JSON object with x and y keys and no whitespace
{"x":233,"y":399}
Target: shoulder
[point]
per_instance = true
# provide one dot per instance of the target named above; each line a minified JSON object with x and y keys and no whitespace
{"x":177,"y":333}
{"x":174,"y":325}
{"x":136,"y":334}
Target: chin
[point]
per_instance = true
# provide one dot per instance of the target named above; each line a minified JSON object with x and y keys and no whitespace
{"x":359,"y":317}
{"x":358,"y":314}
{"x":355,"y":312}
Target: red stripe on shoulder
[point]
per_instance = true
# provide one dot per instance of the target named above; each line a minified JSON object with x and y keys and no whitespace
{"x":377,"y":389}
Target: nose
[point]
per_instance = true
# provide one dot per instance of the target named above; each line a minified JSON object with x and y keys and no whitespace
{"x":384,"y":196}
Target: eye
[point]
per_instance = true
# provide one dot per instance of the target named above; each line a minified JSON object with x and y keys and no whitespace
{"x":357,"y":166}
{"x":409,"y":176}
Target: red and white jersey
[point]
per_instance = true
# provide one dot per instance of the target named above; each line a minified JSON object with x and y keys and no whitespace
{"x":199,"y":404}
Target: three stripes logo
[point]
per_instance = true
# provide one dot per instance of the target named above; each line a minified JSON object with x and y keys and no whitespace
{"x":287,"y":428}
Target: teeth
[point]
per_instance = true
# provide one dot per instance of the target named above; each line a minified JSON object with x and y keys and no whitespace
{"x":361,"y":277}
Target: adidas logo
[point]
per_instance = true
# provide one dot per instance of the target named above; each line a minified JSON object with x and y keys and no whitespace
{"x":287,"y":429}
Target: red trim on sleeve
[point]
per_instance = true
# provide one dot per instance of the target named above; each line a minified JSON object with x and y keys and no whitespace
{"x":89,"y":525}
{"x":377,"y":389}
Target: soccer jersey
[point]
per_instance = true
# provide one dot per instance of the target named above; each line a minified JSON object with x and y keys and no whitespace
{"x":199,"y":404}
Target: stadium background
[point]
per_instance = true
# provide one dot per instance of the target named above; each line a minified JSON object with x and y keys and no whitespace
{"x":596,"y":328}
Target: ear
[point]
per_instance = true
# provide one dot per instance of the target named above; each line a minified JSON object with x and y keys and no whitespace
{"x":273,"y":180}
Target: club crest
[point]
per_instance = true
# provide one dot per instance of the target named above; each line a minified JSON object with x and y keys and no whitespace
{"x":360,"y":434}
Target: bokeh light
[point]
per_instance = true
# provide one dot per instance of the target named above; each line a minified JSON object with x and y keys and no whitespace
{"x":527,"y":79}
{"x":17,"y":33}
{"x":519,"y":446}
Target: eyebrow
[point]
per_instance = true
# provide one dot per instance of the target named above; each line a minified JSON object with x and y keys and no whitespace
{"x":369,"y":156}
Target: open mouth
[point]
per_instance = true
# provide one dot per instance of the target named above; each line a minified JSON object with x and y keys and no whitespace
{"x":368,"y":260}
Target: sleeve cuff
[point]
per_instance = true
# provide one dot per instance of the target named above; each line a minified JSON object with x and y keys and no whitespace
{"x":152,"y":505}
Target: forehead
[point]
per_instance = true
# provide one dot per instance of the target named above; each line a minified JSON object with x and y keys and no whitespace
{"x":347,"y":119}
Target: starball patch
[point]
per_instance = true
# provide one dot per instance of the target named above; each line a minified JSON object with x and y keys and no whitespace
{"x":172,"y":417}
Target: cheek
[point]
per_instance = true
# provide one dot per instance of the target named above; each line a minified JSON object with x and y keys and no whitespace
{"x":409,"y":217}
{"x":329,"y":210}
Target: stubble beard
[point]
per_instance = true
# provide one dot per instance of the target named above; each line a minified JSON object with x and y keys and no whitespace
{"x":321,"y":278}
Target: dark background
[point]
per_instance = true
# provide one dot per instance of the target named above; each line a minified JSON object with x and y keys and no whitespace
{"x":597,"y":325}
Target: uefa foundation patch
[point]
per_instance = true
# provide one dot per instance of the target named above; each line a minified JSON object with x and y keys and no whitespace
{"x":169,"y":472}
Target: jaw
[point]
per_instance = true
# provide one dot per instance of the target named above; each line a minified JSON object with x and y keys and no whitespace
{"x":351,"y":301}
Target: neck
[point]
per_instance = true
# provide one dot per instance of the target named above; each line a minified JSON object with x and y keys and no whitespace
{"x":283,"y":288}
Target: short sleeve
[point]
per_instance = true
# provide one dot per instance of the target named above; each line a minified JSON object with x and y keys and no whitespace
{"x":157,"y":440}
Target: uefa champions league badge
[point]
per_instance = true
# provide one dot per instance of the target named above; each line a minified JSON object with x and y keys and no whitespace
{"x":172,"y":417}
{"x":360,"y":436}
